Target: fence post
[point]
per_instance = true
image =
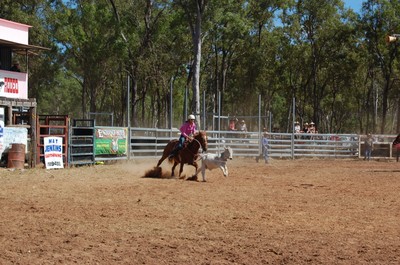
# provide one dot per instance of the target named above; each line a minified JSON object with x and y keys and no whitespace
{"x":292,"y":145}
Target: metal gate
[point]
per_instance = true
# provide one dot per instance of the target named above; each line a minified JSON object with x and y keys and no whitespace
{"x":51,"y":125}
{"x":81,"y":142}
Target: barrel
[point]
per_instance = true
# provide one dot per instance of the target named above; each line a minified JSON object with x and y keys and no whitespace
{"x":16,"y":156}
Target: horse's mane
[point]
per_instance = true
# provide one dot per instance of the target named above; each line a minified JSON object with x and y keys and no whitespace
{"x":200,"y":133}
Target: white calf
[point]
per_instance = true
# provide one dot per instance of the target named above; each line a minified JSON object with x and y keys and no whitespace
{"x":211,"y":161}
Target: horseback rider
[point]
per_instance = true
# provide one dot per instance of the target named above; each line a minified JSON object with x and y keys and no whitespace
{"x":187,"y":129}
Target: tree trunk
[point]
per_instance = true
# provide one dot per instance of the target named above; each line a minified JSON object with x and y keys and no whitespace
{"x":134,"y":97}
{"x":196,"y":64}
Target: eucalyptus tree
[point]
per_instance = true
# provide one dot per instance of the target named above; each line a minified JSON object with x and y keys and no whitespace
{"x":154,"y":53}
{"x":380,"y":18}
{"x":227,"y":28}
{"x":244,"y":54}
{"x":85,"y":35}
{"x":319,"y":37}
{"x":264,"y":63}
{"x":194,"y":12}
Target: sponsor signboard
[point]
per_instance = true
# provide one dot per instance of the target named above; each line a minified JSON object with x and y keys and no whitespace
{"x":53,"y":157}
{"x":13,"y":85}
{"x":111,"y":141}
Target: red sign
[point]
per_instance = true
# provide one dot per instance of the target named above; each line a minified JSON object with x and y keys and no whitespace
{"x":10,"y":85}
{"x":13,"y":84}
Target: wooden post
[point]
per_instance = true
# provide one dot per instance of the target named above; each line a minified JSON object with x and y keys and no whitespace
{"x":32,"y":121}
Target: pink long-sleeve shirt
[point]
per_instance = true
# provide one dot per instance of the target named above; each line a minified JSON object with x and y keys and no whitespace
{"x":187,"y":129}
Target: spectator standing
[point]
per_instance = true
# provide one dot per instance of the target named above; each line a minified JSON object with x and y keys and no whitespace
{"x":264,"y":146}
{"x":305,"y":127}
{"x":232,"y":124}
{"x":312,"y":128}
{"x":368,"y":143}
{"x":243,"y":129}
{"x":242,"y":126}
{"x":297,"y":128}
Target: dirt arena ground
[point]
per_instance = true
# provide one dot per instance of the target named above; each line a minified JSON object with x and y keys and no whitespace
{"x":286,"y":212}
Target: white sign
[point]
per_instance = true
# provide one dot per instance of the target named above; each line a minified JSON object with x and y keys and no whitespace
{"x":13,"y":84}
{"x":53,"y":153}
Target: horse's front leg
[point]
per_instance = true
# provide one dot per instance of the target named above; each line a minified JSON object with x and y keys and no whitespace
{"x":194,"y":177}
{"x":173,"y":169}
{"x":181,"y":170}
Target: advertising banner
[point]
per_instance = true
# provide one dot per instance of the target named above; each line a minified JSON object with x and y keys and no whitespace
{"x":13,"y":84}
{"x":53,"y":152}
{"x":111,"y":141}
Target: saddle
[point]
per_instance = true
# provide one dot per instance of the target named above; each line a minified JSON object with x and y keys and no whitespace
{"x":185,"y":144}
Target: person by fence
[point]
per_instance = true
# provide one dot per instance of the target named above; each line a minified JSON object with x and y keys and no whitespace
{"x":305,"y":128}
{"x":297,"y":128}
{"x":369,"y":146}
{"x":264,"y":147}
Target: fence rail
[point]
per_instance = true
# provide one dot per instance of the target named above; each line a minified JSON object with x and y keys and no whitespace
{"x":150,"y":142}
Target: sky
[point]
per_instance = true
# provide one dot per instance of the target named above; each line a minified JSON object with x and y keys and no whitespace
{"x":354,"y":4}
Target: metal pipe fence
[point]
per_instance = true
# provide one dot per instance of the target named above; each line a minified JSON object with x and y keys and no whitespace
{"x":150,"y":142}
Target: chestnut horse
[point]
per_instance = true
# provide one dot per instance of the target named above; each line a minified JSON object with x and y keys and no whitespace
{"x":188,"y":154}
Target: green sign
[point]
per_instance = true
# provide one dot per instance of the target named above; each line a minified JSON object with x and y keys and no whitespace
{"x":111,"y":141}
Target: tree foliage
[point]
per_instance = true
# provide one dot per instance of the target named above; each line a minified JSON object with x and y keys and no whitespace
{"x":334,"y":62}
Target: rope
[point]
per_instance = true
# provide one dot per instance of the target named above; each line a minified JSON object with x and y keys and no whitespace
{"x":194,"y":154}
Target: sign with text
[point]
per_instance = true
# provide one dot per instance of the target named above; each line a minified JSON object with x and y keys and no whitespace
{"x":53,"y":157}
{"x":13,"y":84}
{"x":111,"y":141}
